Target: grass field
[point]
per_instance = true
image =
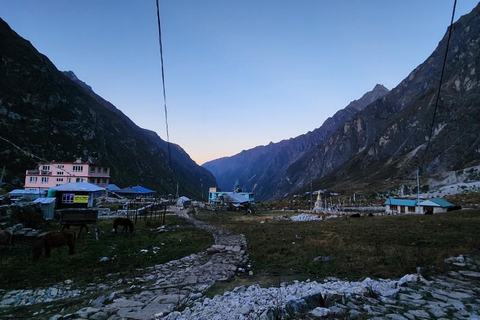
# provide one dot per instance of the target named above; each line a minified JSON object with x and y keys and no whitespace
{"x":18,"y":271}
{"x":382,"y":246}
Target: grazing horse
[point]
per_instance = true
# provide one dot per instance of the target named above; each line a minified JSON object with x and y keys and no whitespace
{"x":125,"y":222}
{"x":6,"y":238}
{"x":81,"y":225}
{"x":54,"y":239}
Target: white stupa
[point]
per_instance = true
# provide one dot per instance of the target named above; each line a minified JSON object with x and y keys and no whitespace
{"x":318,"y":204}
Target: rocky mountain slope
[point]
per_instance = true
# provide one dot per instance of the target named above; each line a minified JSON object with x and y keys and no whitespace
{"x":263,"y":169}
{"x":55,"y":116}
{"x":383,"y":144}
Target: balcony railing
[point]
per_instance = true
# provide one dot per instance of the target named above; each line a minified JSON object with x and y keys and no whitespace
{"x":99,"y":175}
{"x":39,"y":173}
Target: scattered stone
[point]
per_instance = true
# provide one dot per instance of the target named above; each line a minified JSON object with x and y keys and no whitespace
{"x":294,"y":307}
{"x":468,"y":273}
{"x":306,"y":217}
{"x":321,"y":259}
{"x":419,"y":314}
{"x":320,"y":312}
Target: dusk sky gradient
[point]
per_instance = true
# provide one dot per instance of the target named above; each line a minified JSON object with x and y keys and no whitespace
{"x":238,"y":73}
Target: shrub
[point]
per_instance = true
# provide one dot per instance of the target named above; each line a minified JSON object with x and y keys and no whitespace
{"x":31,"y":216}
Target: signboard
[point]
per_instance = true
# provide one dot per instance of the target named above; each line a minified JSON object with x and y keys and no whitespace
{"x":80,"y":199}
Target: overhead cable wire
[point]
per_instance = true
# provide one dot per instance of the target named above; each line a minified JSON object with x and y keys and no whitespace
{"x":28,"y":153}
{"x":164,"y":91}
{"x":440,"y":84}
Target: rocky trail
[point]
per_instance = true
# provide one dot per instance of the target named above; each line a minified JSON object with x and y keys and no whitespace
{"x":158,"y":292}
{"x":174,"y":290}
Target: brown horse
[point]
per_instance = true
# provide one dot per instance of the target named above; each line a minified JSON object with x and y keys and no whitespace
{"x":81,"y":225}
{"x":125,"y":222}
{"x":54,"y":239}
{"x":6,"y":238}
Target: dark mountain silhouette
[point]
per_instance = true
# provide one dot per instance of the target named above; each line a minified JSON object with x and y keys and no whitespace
{"x":383,"y":144}
{"x":263,"y":169}
{"x":55,"y":116}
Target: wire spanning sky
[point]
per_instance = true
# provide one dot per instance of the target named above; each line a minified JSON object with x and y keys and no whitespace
{"x":238,"y":73}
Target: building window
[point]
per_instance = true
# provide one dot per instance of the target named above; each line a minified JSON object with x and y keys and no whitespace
{"x":61,"y":166}
{"x":46,"y":168}
{"x":105,"y":170}
{"x":67,"y":198}
{"x":104,"y":180}
{"x":411,"y":209}
{"x":77,"y":168}
{"x":33,"y":179}
{"x":77,"y":180}
{"x":44,"y":180}
{"x":69,"y":180}
{"x":60,"y":173}
{"x":393,"y":207}
{"x":59,"y":179}
{"x":92,"y":169}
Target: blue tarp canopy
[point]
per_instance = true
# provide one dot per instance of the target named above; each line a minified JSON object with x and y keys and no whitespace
{"x":135,"y":190}
{"x":113,"y":187}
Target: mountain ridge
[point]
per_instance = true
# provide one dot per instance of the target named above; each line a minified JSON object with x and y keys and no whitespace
{"x":383,"y":144}
{"x":276,"y":157}
{"x":388,"y":140}
{"x":48,"y":114}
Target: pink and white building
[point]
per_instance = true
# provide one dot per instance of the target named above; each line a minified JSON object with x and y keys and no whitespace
{"x":50,"y":175}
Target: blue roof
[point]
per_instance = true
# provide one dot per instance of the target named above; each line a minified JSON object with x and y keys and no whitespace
{"x":22,"y":192}
{"x":113,"y":187}
{"x":442,"y":203}
{"x":44,"y":200}
{"x":401,"y":202}
{"x":78,"y":186}
{"x":128,"y":191}
{"x":135,"y":190}
{"x":143,"y":189}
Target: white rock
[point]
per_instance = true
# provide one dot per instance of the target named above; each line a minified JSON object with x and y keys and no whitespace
{"x":320,"y":312}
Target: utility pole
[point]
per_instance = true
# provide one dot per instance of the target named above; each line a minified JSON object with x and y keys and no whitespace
{"x":1,"y":177}
{"x":418,"y":192}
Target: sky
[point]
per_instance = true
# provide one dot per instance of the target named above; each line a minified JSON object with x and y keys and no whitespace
{"x":238,"y":74}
